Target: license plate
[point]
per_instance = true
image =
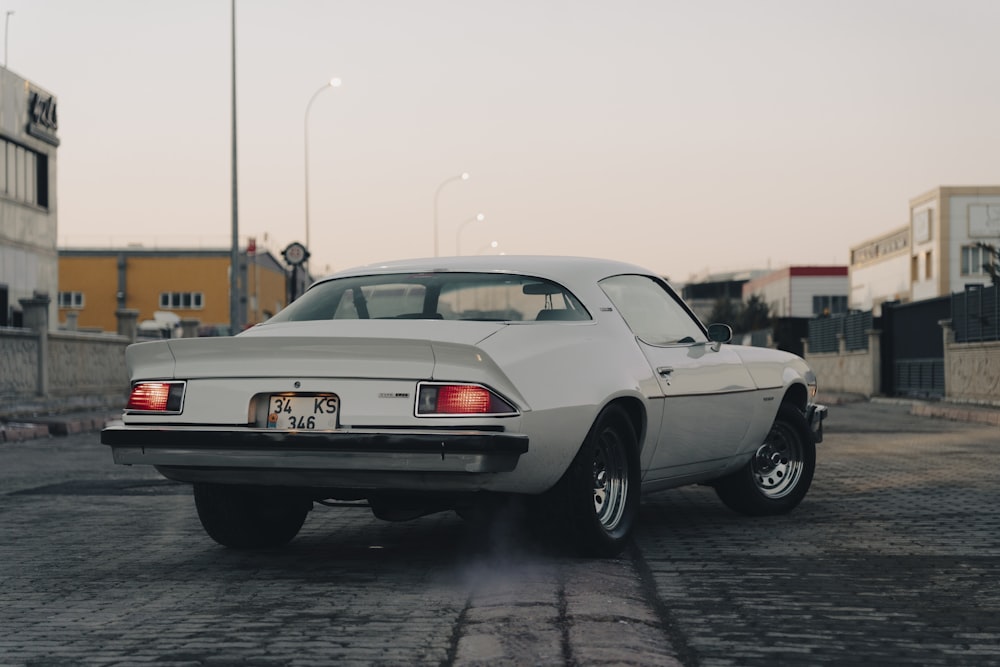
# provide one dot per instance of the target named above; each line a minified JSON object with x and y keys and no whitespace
{"x":303,"y":413}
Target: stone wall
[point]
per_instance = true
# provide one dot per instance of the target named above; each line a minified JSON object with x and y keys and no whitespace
{"x":18,"y":362}
{"x":972,"y":372}
{"x":81,"y":363}
{"x":47,"y":367}
{"x":76,"y":364}
{"x":843,"y":372}
{"x":849,"y":373}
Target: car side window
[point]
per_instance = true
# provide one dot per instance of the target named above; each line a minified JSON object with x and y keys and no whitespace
{"x":651,"y":311}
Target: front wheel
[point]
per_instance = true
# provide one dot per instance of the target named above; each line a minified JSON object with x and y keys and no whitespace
{"x":246,"y":517}
{"x":597,"y":499}
{"x":778,"y":476}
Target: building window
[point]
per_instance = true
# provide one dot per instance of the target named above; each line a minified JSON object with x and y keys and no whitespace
{"x":829,"y":304}
{"x":71,"y":299}
{"x":928,"y":266}
{"x":914,"y":268}
{"x":24,"y":174}
{"x":184,"y":300}
{"x":973,"y":259}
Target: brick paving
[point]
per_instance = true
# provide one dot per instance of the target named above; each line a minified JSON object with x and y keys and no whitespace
{"x":892,"y":559}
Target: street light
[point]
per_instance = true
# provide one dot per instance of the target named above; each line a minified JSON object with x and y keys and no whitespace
{"x":492,"y":245}
{"x":464,"y":176}
{"x":6,"y":26}
{"x":479,"y":217}
{"x":332,"y":83}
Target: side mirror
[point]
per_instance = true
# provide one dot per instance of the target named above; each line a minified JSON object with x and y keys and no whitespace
{"x":720,"y":333}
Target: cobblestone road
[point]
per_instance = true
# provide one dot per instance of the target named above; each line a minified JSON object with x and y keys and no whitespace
{"x":892,"y":559}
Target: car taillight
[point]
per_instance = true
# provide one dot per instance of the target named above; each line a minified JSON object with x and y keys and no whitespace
{"x":156,"y":397}
{"x":460,"y":399}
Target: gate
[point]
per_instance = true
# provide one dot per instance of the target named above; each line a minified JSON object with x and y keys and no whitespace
{"x":913,"y":347}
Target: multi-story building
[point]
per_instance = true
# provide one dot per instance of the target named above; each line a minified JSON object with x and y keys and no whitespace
{"x":801,"y":291}
{"x":702,"y":294}
{"x":193,"y":284}
{"x":28,"y":142}
{"x":880,"y":271}
{"x":934,"y":255}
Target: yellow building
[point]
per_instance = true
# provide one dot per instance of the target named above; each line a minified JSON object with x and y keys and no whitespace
{"x":192,"y":284}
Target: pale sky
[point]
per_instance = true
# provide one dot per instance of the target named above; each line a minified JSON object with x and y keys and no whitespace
{"x":682,"y":136}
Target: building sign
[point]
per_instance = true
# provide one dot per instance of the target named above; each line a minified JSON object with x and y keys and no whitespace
{"x":922,"y":226}
{"x":42,"y":120}
{"x":984,"y":220}
{"x":888,"y":245}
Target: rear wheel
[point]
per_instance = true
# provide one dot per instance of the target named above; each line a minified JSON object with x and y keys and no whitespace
{"x":246,"y":517}
{"x":778,"y":476}
{"x":597,"y":500}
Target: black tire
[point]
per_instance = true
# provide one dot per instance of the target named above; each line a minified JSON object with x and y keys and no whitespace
{"x":777,"y":477}
{"x":246,"y":517}
{"x":597,"y":500}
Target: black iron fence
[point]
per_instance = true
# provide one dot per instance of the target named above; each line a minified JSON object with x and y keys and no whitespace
{"x":854,"y":326}
{"x":913,"y":347}
{"x":975,"y":314}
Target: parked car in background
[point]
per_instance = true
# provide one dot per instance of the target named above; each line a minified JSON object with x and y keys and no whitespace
{"x":574,"y":384}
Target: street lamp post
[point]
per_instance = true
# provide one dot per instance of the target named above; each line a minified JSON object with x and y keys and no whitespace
{"x":464,"y":176}
{"x":479,"y":217}
{"x":6,"y":27}
{"x":235,"y":323}
{"x":332,"y":83}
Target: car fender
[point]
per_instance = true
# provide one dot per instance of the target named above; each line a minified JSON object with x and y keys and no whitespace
{"x":566,"y":376}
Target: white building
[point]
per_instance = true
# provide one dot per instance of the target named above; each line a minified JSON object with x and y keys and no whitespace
{"x":880,"y":271}
{"x":28,"y":141}
{"x":934,"y":255}
{"x":801,"y":291}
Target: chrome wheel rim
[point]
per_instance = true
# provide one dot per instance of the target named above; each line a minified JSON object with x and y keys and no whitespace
{"x":610,"y":480}
{"x":778,"y":463}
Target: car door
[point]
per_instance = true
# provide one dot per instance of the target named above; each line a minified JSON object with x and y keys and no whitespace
{"x":708,"y":393}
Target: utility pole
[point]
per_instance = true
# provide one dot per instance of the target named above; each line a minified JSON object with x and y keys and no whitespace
{"x":234,"y":257}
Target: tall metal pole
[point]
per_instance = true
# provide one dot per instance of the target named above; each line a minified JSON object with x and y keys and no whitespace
{"x":332,"y":83}
{"x":234,"y":257}
{"x":6,"y":27}
{"x":464,"y":176}
{"x":458,"y":247}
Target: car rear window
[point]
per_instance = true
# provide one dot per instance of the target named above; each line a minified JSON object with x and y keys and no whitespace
{"x":437,"y":295}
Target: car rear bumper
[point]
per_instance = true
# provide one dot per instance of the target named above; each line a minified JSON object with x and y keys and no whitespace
{"x":340,"y":452}
{"x":815,"y":414}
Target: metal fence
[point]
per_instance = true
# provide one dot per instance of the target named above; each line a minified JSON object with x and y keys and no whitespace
{"x":854,"y":326}
{"x":913,"y":347}
{"x":975,"y":314}
{"x":918,"y":377}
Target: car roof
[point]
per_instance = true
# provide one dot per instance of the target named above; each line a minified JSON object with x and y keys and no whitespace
{"x":567,"y":270}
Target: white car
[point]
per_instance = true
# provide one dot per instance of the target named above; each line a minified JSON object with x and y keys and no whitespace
{"x":450,"y":383}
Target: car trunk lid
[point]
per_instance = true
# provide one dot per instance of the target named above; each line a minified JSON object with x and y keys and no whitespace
{"x":355,"y":348}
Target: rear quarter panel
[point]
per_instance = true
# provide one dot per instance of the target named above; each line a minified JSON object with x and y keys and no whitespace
{"x":566,"y":373}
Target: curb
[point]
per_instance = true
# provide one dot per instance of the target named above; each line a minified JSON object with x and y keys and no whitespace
{"x":957,"y":413}
{"x":20,"y":431}
{"x":54,"y":426}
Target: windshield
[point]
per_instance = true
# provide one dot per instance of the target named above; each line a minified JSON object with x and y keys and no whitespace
{"x":437,"y":295}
